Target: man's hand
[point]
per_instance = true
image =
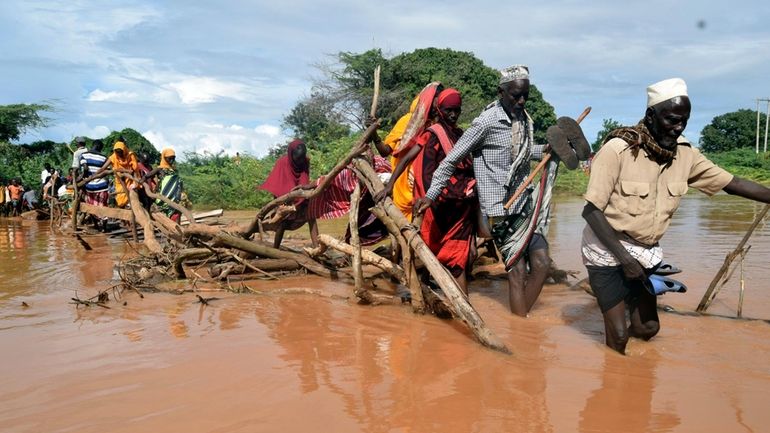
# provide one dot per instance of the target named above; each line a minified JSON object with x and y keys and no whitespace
{"x":632,"y":269}
{"x":385,"y":192}
{"x":420,"y":206}
{"x":369,"y":121}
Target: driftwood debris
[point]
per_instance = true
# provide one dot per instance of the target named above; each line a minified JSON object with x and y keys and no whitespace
{"x":215,"y":254}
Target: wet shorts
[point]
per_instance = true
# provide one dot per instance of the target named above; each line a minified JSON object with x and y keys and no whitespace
{"x":611,"y":287}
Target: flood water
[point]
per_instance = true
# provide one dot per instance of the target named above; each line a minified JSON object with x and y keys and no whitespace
{"x":301,"y":363}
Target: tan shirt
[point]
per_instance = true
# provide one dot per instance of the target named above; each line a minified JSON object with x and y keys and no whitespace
{"x":639,"y":196}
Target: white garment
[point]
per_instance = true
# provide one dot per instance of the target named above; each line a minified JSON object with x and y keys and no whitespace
{"x":596,"y":254}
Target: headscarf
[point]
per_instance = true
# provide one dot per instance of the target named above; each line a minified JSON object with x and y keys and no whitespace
{"x":165,"y":153}
{"x":419,"y":120}
{"x":128,"y":161}
{"x":449,"y":98}
{"x":286,"y":174}
{"x":394,"y":136}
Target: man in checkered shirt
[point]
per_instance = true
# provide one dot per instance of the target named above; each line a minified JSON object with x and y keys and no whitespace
{"x":500,"y":140}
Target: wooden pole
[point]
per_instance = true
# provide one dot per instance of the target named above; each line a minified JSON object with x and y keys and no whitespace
{"x":453,"y":296}
{"x":710,"y":294}
{"x":376,"y":97}
{"x":756,"y":148}
{"x":358,"y":273}
{"x":75,"y":204}
{"x":743,"y":287}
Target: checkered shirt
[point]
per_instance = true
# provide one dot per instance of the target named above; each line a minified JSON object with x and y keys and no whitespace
{"x":494,"y":141}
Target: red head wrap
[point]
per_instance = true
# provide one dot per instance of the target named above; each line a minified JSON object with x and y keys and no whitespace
{"x":449,"y":98}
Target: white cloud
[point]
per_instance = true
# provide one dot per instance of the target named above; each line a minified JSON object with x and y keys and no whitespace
{"x":157,"y":139}
{"x":201,"y":90}
{"x":99,"y":95}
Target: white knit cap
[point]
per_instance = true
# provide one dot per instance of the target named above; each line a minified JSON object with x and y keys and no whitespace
{"x":665,"y":90}
{"x":515,"y":72}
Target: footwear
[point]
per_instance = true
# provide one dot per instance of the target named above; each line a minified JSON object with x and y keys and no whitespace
{"x":559,"y":143}
{"x":575,"y":136}
{"x":667,"y":269}
{"x":659,"y":284}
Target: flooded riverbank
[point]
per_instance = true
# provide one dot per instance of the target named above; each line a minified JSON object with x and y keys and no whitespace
{"x":298,"y":363}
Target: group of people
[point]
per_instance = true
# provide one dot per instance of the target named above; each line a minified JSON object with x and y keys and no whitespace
{"x":15,"y":199}
{"x":89,"y":169}
{"x":131,"y":172}
{"x":459,"y":182}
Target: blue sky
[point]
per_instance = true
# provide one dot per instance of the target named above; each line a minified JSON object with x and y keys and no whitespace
{"x":211,"y":76}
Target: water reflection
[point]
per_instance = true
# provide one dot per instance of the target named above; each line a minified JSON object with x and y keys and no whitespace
{"x":624,"y":400}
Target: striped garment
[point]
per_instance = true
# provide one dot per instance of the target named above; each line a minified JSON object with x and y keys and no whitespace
{"x":93,"y":162}
{"x":334,"y":202}
{"x":501,"y":148}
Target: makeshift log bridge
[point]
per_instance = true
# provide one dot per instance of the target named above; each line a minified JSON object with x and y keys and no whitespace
{"x":227,"y":251}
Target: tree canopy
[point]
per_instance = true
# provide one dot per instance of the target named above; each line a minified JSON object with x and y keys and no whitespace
{"x":608,"y":125}
{"x":732,"y":130}
{"x":16,"y":119}
{"x":343,"y":95}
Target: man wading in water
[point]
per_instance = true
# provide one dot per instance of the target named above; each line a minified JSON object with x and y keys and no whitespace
{"x":501,"y":142}
{"x":637,"y":180}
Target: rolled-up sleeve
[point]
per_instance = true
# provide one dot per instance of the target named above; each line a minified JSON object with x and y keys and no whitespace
{"x":467,"y":143}
{"x":605,"y":169}
{"x":707,"y":177}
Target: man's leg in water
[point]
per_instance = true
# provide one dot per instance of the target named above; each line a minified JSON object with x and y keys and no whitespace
{"x":616,"y":328}
{"x":539,"y":265}
{"x":645,"y":322}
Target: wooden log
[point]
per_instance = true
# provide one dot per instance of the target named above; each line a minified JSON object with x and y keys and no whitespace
{"x":355,"y":242}
{"x":189,"y":254}
{"x":106,"y":212}
{"x":205,"y":230}
{"x":264,"y":250}
{"x":366,"y":256}
{"x":75,"y":204}
{"x":360,"y":147}
{"x":143,"y":218}
{"x":455,"y":299}
{"x":411,"y":280}
{"x":268,"y":265}
{"x":711,"y":292}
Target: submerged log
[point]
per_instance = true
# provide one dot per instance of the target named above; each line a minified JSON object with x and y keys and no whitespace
{"x":366,"y":256}
{"x":455,"y":298}
{"x":270,"y":252}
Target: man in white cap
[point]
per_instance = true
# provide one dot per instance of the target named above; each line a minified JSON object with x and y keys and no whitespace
{"x":81,"y":144}
{"x":637,"y":179}
{"x":501,"y":142}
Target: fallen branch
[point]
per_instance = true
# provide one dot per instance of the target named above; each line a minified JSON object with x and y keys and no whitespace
{"x":455,"y":299}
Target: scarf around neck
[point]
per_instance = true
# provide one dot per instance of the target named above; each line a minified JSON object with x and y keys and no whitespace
{"x":639,"y":136}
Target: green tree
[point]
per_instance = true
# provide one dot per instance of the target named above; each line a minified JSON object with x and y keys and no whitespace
{"x":348,"y":82}
{"x":134,"y":140}
{"x":314,"y":121}
{"x":608,"y":125}
{"x":16,"y":119}
{"x":731,"y":131}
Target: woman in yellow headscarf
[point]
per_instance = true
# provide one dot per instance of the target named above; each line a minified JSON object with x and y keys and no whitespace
{"x":399,"y":143}
{"x":123,"y":160}
{"x":170,"y":183}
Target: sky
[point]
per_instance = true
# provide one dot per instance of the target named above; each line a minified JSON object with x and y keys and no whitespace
{"x":219,"y":76}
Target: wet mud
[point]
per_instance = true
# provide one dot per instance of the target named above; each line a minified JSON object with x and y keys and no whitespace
{"x":299,"y":363}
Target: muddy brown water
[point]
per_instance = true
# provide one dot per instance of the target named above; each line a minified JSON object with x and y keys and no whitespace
{"x":301,"y":363}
